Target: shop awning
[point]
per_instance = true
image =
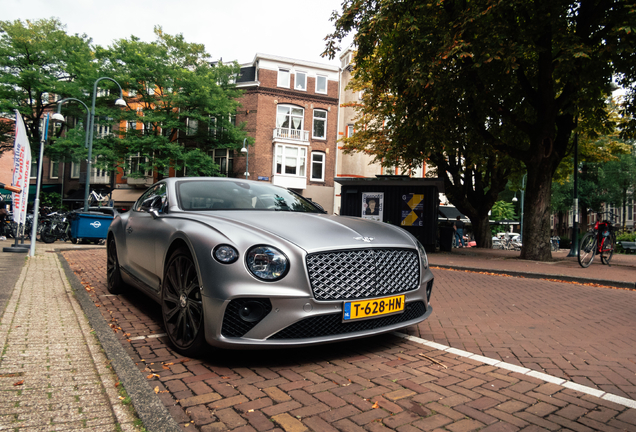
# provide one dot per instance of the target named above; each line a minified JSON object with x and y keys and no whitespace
{"x":46,"y":188}
{"x":126,"y":196}
{"x":450,"y":213}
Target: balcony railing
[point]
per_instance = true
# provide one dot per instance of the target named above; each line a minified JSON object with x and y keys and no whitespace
{"x":292,"y":134}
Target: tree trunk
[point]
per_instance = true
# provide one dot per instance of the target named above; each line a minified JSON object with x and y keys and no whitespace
{"x":481,"y":230}
{"x":536,"y":218}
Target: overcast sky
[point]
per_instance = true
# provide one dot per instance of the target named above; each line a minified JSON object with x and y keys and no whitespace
{"x":231,"y":30}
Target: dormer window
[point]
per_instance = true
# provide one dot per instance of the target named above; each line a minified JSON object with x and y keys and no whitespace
{"x":283,"y":78}
{"x":301,"y":81}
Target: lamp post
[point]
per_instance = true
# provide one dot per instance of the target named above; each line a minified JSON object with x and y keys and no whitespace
{"x":247,"y":159}
{"x":119,"y":102}
{"x":574,"y":248}
{"x":514,"y":199}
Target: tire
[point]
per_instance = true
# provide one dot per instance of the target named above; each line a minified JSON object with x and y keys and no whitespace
{"x":181,"y":304}
{"x":47,"y":235}
{"x":587,"y":249}
{"x":73,"y":240}
{"x":114,"y":281}
{"x":607,"y":251}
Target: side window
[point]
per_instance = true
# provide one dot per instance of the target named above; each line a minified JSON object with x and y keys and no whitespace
{"x":155,"y":197}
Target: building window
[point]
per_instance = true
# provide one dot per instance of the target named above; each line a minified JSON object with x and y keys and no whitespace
{"x":630,"y":209}
{"x":131,"y":125}
{"x":349,"y":131}
{"x":301,"y":81}
{"x":54,"y":169}
{"x":291,"y":160}
{"x":320,"y":124}
{"x":317,"y":166}
{"x":34,"y":169}
{"x":289,"y":117}
{"x":224,"y":158}
{"x":192,"y":126}
{"x":75,"y":170}
{"x":135,"y":166}
{"x":132,"y":93}
{"x":321,"y":84}
{"x":212,"y":127}
{"x":283,"y":78}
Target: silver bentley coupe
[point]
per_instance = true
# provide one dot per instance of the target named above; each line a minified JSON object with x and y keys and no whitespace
{"x":244,"y":264}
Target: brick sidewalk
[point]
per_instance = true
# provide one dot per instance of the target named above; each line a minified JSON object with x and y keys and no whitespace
{"x":375,"y":384}
{"x":53,"y":375}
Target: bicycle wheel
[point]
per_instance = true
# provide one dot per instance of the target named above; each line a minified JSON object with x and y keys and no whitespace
{"x":48,"y":235}
{"x":607,"y":248}
{"x":587,"y":249}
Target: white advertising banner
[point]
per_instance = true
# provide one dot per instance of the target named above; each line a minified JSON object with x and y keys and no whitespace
{"x":21,"y":170}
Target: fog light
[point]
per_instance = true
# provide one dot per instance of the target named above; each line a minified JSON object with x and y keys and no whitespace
{"x":251,"y":311}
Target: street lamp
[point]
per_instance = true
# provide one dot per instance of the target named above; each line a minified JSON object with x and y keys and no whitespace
{"x":523,"y":190}
{"x":247,"y":159}
{"x":119,"y":102}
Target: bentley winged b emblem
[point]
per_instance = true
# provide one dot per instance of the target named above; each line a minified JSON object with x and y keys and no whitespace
{"x":364,"y":239}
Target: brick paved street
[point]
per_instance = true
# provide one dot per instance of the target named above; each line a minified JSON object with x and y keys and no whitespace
{"x":582,"y":334}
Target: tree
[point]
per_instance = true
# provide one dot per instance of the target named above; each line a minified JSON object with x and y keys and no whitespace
{"x":38,"y":59}
{"x":180,"y":106}
{"x":473,"y":175}
{"x":521,"y":73}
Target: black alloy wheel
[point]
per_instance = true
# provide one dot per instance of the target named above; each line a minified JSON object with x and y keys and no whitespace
{"x":181,"y":304}
{"x":587,"y":249}
{"x":114,"y":282}
{"x":607,"y":250}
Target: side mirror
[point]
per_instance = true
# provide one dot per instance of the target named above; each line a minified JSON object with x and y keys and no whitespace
{"x":151,"y":205}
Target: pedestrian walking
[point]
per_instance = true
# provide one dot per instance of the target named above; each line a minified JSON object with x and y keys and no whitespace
{"x":458,"y":226}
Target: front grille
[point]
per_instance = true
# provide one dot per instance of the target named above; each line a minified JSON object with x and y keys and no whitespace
{"x":362,"y":273}
{"x":233,"y":325}
{"x":330,"y":325}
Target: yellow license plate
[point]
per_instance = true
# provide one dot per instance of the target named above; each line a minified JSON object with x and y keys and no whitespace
{"x":372,"y":308}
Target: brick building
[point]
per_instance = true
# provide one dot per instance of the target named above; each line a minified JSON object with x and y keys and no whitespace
{"x":290,"y":108}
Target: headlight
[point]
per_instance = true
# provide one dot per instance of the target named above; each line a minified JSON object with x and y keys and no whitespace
{"x":267,"y":263}
{"x":423,"y":255}
{"x":225,"y":254}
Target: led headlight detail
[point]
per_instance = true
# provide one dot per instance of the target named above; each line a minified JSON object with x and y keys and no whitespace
{"x":225,"y":254}
{"x":423,"y":255}
{"x":267,"y":263}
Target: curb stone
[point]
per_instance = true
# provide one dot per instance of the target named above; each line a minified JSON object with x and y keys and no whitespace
{"x":149,"y":407}
{"x":530,"y":275}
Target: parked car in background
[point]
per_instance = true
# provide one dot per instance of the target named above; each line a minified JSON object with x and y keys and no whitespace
{"x":245,"y":264}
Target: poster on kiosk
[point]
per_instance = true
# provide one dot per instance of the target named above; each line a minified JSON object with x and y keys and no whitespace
{"x":21,"y":170}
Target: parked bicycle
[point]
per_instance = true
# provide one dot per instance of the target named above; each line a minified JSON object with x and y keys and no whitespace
{"x":600,"y":240}
{"x":56,"y":226}
{"x":554,"y":243}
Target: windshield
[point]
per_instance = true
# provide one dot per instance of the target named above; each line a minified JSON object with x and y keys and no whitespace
{"x":239,"y":195}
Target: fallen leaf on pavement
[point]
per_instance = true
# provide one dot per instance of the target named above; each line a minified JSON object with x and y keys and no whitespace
{"x":375,"y":405}
{"x":156,"y":390}
{"x":18,"y":383}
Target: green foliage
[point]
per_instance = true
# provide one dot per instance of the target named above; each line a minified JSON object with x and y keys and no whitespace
{"x":51,"y":199}
{"x":171,"y":85}
{"x":503,"y":210}
{"x":512,"y":76}
{"x":38,"y":59}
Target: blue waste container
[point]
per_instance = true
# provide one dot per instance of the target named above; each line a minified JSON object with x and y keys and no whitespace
{"x":90,"y":225}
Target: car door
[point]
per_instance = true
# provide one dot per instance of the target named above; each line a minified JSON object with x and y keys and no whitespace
{"x":144,"y":232}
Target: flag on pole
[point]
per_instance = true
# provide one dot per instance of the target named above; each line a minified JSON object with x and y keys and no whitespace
{"x":21,"y":170}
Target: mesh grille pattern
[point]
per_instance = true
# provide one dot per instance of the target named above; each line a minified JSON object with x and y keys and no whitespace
{"x":363,"y":273}
{"x":233,"y":325}
{"x":330,"y":325}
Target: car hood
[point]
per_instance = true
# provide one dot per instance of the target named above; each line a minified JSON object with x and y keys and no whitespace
{"x":315,"y":232}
